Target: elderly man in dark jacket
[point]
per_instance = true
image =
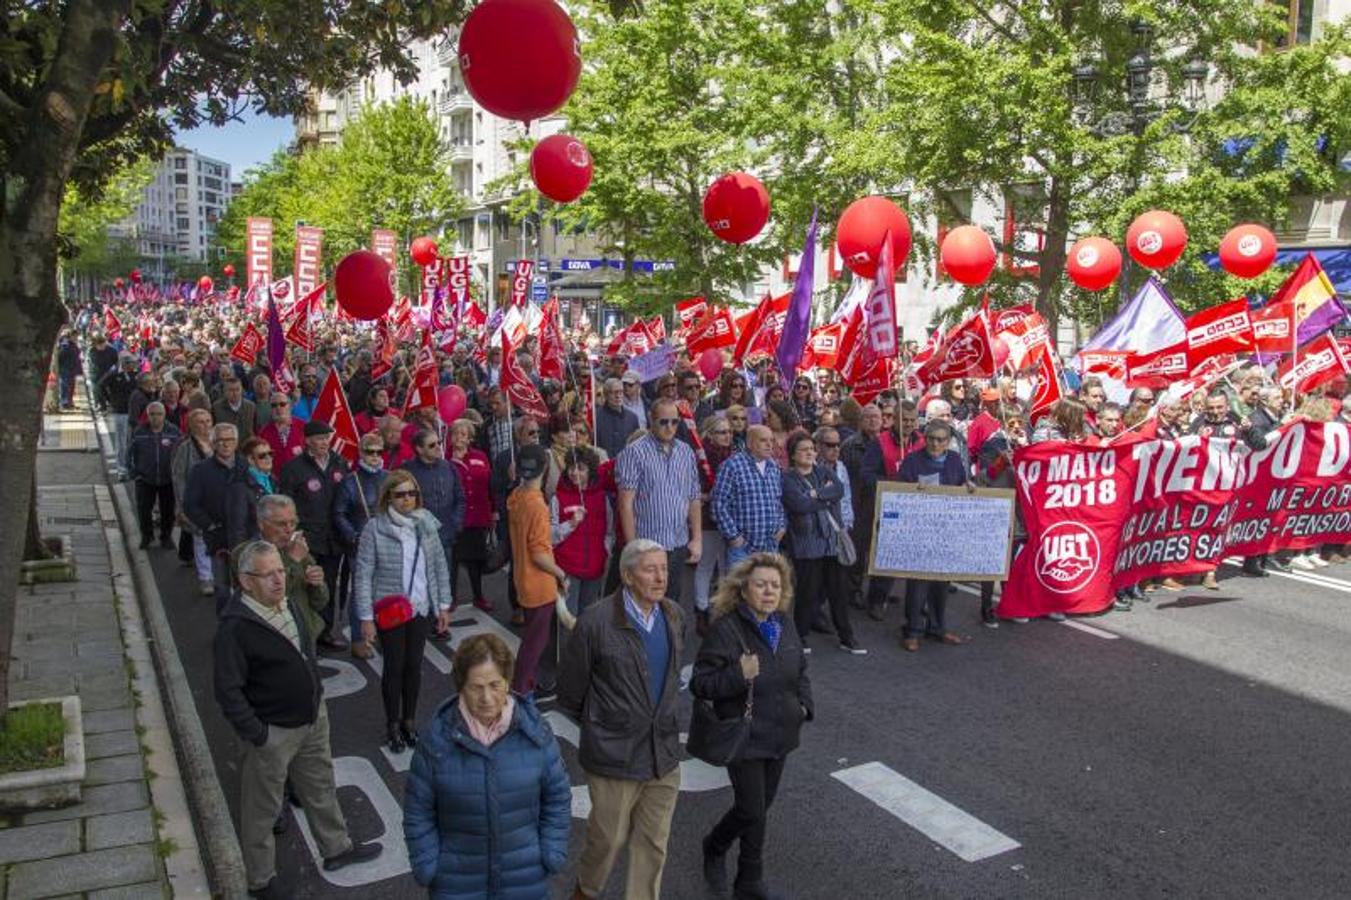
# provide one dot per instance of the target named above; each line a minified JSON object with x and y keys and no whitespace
{"x":620,"y":677}
{"x":148,"y":460}
{"x":269,"y":687}
{"x":312,"y":480}
{"x":442,"y":493}
{"x":614,"y":421}
{"x":207,"y":505}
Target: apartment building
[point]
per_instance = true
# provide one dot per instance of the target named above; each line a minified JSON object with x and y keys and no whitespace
{"x":179,"y":209}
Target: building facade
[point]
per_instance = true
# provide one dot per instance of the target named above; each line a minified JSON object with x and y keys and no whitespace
{"x":176,"y":218}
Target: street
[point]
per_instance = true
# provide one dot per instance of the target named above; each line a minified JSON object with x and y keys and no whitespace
{"x":1194,"y":747}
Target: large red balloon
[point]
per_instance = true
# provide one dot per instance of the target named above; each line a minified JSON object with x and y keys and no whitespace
{"x":135,"y":276}
{"x":863,"y":227}
{"x":233,"y":292}
{"x":560,"y":166}
{"x":362,"y":283}
{"x":1001,"y":352}
{"x":1247,"y":250}
{"x":450,"y":402}
{"x":205,"y":284}
{"x":1156,"y":239}
{"x":1093,"y":263}
{"x":736,"y":207}
{"x":520,"y":58}
{"x":424,"y":251}
{"x":228,"y":271}
{"x":968,"y":254}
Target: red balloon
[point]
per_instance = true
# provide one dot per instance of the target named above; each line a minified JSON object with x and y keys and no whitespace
{"x":1001,"y":352}
{"x":1247,"y":250}
{"x":118,"y":283}
{"x":710,"y":363}
{"x":424,"y":251}
{"x":363,"y":283}
{"x":863,"y":227}
{"x":1156,"y":239}
{"x":968,"y":254}
{"x":451,"y":402}
{"x":135,"y":276}
{"x":736,"y":207}
{"x":1093,"y":263}
{"x":205,"y":284}
{"x":233,"y":292}
{"x":520,"y":58}
{"x":560,"y":166}
{"x":228,"y":271}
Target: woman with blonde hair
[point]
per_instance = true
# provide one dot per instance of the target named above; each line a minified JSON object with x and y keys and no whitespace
{"x":751,"y":663}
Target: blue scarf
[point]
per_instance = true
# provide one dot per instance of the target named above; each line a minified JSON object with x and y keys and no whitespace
{"x":770,"y":629}
{"x":264,"y":480}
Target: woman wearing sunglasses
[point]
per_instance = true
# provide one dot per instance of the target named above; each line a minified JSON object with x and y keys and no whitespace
{"x":399,"y":583}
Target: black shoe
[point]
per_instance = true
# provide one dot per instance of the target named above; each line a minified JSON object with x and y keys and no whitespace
{"x":1122,"y":603}
{"x":330,"y":641}
{"x":409,"y":734}
{"x":754,"y":891}
{"x":715,"y":869}
{"x":279,"y":826}
{"x":394,"y":740}
{"x":876,"y":612}
{"x":1275,"y":564}
{"x":988,"y":618}
{"x":856,"y":601}
{"x":359,"y":853}
{"x":270,"y":891}
{"x":701,"y":622}
{"x":145,"y":543}
{"x":1253,"y":569}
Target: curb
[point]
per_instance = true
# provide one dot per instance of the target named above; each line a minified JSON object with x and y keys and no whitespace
{"x":204,"y":804}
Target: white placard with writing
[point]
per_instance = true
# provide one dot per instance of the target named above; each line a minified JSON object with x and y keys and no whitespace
{"x":943,"y":533}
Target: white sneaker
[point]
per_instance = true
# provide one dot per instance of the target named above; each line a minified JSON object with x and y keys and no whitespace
{"x":1318,"y":561}
{"x":1056,"y":616}
{"x":1301,"y":561}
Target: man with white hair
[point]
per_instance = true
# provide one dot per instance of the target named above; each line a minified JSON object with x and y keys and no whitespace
{"x":206,"y":504}
{"x":941,"y":411}
{"x":149,"y":458}
{"x":627,"y":701}
{"x":614,"y":421}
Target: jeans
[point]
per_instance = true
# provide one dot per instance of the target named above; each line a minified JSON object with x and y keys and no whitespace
{"x":401,"y":678}
{"x":222,"y":578}
{"x":120,"y":441}
{"x":582,"y":594}
{"x":67,"y":390}
{"x":926,"y":607}
{"x":713,"y":558}
{"x":201,"y":560}
{"x":736,"y":554}
{"x":754,"y":784}
{"x":537,"y":650}
{"x":146,"y":497}
{"x":679,"y":576}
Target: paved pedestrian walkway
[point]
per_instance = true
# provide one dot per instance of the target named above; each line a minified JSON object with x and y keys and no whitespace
{"x":69,"y":639}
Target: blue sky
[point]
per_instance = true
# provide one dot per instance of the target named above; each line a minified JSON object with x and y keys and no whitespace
{"x":241,"y":144}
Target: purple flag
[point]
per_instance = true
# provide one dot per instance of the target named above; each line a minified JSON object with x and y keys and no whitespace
{"x":276,"y":337}
{"x":797,"y":322}
{"x":1150,"y":321}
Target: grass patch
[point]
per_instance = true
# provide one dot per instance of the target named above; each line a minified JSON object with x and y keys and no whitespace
{"x":33,"y":737}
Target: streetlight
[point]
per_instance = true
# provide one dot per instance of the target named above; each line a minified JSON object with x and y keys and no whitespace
{"x":1138,"y":81}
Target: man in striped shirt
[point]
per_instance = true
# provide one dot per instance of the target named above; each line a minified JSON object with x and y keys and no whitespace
{"x":659,"y":490}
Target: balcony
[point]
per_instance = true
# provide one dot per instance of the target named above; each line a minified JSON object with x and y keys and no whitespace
{"x":454,"y":101}
{"x":448,"y":52}
{"x":461,"y":150}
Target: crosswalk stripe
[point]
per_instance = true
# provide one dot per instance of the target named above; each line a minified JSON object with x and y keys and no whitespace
{"x":1326,"y":581}
{"x":926,"y":812}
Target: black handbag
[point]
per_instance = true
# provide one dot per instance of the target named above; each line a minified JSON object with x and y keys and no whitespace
{"x":499,"y":553}
{"x":715,"y":740}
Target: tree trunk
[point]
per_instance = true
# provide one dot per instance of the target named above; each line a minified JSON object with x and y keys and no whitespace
{"x":30,"y":307}
{"x":33,"y":548}
{"x":1052,"y":262}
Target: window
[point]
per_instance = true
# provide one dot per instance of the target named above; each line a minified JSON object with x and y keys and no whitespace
{"x":180,"y":163}
{"x":1025,"y":213}
{"x":180,"y":193}
{"x":180,"y":178}
{"x":1301,"y":22}
{"x":183,"y":224}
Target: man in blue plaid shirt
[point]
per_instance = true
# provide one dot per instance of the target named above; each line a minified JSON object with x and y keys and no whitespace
{"x":748,"y":498}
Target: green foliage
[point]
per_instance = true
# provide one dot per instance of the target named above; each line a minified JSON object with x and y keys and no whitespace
{"x":85,"y":243}
{"x":32,"y":737}
{"x":389,"y":170}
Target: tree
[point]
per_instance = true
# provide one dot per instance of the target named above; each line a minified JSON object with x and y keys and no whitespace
{"x":88,"y":250}
{"x":86,"y":85}
{"x":390,"y":169}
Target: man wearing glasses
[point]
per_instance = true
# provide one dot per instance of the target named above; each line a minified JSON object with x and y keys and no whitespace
{"x":659,"y":491}
{"x":614,"y":422}
{"x":269,"y":687}
{"x":442,"y":493}
{"x":312,"y":480}
{"x":282,"y":433}
{"x":206,"y":506}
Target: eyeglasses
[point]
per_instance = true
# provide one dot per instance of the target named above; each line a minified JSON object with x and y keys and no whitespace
{"x":279,"y":404}
{"x":532,"y":433}
{"x":263,"y":454}
{"x":431,"y":445}
{"x":827,"y":445}
{"x":736,"y":418}
{"x":400,"y":495}
{"x":668,"y":423}
{"x":275,"y":573}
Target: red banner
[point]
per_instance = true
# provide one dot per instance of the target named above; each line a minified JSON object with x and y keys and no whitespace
{"x":309,"y":258}
{"x":385,"y":244}
{"x":1226,"y":328}
{"x":258,"y":252}
{"x":1319,"y":362}
{"x":1102,"y":518}
{"x":883,"y":339}
{"x":455,"y":276}
{"x":714,"y":331}
{"x":433,"y":277}
{"x":1158,"y":369}
{"x":520,"y":281}
{"x":249,"y":345}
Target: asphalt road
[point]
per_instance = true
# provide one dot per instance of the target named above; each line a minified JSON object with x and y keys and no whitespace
{"x":1195,"y":747}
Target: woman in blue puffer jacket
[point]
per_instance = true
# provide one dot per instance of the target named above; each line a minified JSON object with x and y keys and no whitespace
{"x":488,"y":804}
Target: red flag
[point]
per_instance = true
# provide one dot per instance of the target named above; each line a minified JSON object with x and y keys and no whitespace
{"x":433,"y":277}
{"x":930,"y":347}
{"x":705,"y":469}
{"x":310,"y":304}
{"x":1159,"y":368}
{"x":1226,"y":328}
{"x":853,"y":365}
{"x":823,"y":346}
{"x":521,"y":392}
{"x":633,"y":340}
{"x":552,"y":348}
{"x":404,"y":328}
{"x":422,"y":390}
{"x":876,"y":379}
{"x":712,"y":332}
{"x":300,"y":333}
{"x":283,"y":379}
{"x":333,"y":409}
{"x":112,"y":327}
{"x":474,"y":316}
{"x":966,"y":352}
{"x":1024,"y":333}
{"x":249,"y":345}
{"x":521,"y":280}
{"x":691,"y":311}
{"x":1273,"y":328}
{"x":1047,"y":389}
{"x":1320,"y":361}
{"x":881,"y":307}
{"x":1111,"y":363}
{"x":1004,"y":319}
{"x":759,"y":330}
{"x":656,"y":328}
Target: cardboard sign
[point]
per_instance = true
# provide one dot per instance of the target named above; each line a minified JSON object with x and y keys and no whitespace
{"x":942,"y":533}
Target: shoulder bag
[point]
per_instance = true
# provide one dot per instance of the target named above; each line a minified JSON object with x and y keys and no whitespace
{"x":394,"y":610}
{"x":715,"y":740}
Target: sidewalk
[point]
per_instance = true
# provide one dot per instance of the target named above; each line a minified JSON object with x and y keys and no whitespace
{"x":85,"y":637}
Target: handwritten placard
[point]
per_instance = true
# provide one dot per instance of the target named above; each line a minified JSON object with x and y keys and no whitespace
{"x":942,"y":533}
{"x":654,"y":363}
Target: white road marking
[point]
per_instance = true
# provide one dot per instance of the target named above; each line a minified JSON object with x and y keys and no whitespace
{"x":346,"y":678}
{"x":926,"y":812}
{"x":1089,"y":629}
{"x":357,"y":772}
{"x":399,"y":762}
{"x":1327,"y":581}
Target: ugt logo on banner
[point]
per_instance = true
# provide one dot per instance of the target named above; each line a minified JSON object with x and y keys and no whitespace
{"x":1068,"y":557}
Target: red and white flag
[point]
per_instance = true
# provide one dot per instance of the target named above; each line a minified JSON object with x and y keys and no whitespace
{"x":1047,"y":388}
{"x":552,"y":347}
{"x":520,"y":281}
{"x":712,"y":332}
{"x":309,"y":258}
{"x":422,"y":390}
{"x":1226,"y":328}
{"x":1320,"y":361}
{"x":520,"y":390}
{"x":283,"y":379}
{"x":759,"y":330}
{"x":632,"y":340}
{"x":249,"y":345}
{"x":1273,"y":328}
{"x":404,"y":328}
{"x":258,"y":250}
{"x":474,"y":316}
{"x":1108,"y":363}
{"x":883,"y":338}
{"x":1157,"y":369}
{"x":112,"y":326}
{"x":823,"y":347}
{"x":656,"y":326}
{"x":301,"y":334}
{"x":1024,"y":333}
{"x":690,"y":311}
{"x":433,"y":277}
{"x":966,"y":352}
{"x":333,"y":408}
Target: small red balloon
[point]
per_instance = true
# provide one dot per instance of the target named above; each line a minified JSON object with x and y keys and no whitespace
{"x":1156,"y":239}
{"x":520,"y":58}
{"x":1001,"y":352}
{"x":118,"y":283}
{"x":228,"y":271}
{"x":968,"y":254}
{"x":205,"y":284}
{"x":710,"y":363}
{"x":135,"y":276}
{"x":560,"y":166}
{"x":451,"y":401}
{"x":362,"y":282}
{"x":233,"y":292}
{"x":1247,"y":250}
{"x":1093,"y":263}
{"x":861,"y":230}
{"x":736,"y":207}
{"x":424,"y":251}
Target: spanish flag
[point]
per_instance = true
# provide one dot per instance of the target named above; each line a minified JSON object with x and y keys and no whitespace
{"x":1315,"y":299}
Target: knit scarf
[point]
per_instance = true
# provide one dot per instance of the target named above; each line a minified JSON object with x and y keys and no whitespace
{"x":487,"y":735}
{"x":263,"y":479}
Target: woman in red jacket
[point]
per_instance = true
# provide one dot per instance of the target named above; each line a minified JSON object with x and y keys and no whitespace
{"x":582,"y":524}
{"x":471,"y":546}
